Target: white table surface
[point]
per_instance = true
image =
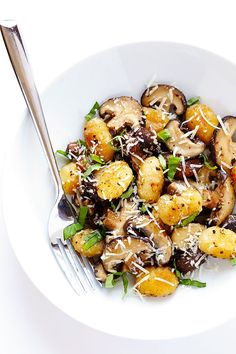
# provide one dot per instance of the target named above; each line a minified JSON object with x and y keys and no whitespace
{"x":58,"y":34}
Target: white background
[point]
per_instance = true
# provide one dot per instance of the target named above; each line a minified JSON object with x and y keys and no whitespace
{"x":57,"y":35}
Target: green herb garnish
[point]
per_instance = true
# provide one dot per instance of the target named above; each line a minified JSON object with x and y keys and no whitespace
{"x":110,"y":283}
{"x":173,"y":163}
{"x":233,"y":261}
{"x":91,"y":239}
{"x":82,"y":142}
{"x":164,"y":135}
{"x":82,"y":215}
{"x":96,"y":158}
{"x":128,"y":193}
{"x":113,"y":278}
{"x":189,"y":282}
{"x":207,"y":163}
{"x":70,"y":230}
{"x":193,"y":100}
{"x":162,"y":161}
{"x":113,"y":206}
{"x":92,"y":111}
{"x":91,"y":168}
{"x":186,"y":221}
{"x":63,"y":153}
{"x":143,"y":208}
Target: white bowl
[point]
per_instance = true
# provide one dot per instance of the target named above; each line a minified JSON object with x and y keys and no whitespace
{"x":118,"y":71}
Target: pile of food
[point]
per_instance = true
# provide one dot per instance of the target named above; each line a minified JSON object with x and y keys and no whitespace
{"x":153,"y":184}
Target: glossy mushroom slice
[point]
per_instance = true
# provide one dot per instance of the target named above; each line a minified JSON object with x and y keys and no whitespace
{"x":129,"y":251}
{"x":115,"y":221}
{"x":181,"y":143}
{"x":146,"y":228}
{"x":121,"y":112}
{"x":185,"y":240}
{"x":222,"y":195}
{"x":230,"y":223}
{"x":224,"y":144}
{"x":166,"y":97}
{"x":226,"y":202}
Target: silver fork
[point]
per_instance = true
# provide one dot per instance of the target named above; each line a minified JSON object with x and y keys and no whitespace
{"x":77,"y":269}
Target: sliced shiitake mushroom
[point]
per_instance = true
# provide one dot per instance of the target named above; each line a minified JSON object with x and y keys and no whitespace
{"x":167,"y":97}
{"x":224,"y":145}
{"x":185,"y":241}
{"x":182,"y":144}
{"x":115,"y":221}
{"x":121,"y":112}
{"x":146,"y":228}
{"x":127,"y":250}
{"x":230,"y":223}
{"x":188,"y":262}
{"x":223,"y":194}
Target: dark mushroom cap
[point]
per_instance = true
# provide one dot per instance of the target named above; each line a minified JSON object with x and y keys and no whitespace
{"x":120,"y":112}
{"x":170,"y":98}
{"x":230,"y":223}
{"x":183,"y":145}
{"x":223,"y":146}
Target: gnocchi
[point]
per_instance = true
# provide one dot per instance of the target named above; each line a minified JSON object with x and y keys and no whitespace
{"x":113,"y":180}
{"x":218,"y":242}
{"x":79,"y":240}
{"x":70,"y":177}
{"x":150,"y":180}
{"x":98,"y":138}
{"x":201,"y":116}
{"x":173,"y":208}
{"x":159,"y":281}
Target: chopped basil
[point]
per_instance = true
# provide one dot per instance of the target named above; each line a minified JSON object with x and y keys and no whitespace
{"x":91,"y":168}
{"x":63,"y":153}
{"x":207,"y":163}
{"x":113,"y":206}
{"x":125,"y":282}
{"x":128,"y":193}
{"x":91,"y":239}
{"x":164,"y":135}
{"x":96,"y":158}
{"x":193,"y":100}
{"x":233,"y":261}
{"x":82,"y":214}
{"x":92,"y":111}
{"x":173,"y":163}
{"x":186,"y":221}
{"x":118,"y":138}
{"x":112,"y":279}
{"x":82,"y":142}
{"x":70,"y":230}
{"x":162,"y":161}
{"x":109,"y":283}
{"x":143,"y":208}
{"x":189,"y":282}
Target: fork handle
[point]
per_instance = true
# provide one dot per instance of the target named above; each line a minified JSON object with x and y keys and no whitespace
{"x":22,"y":69}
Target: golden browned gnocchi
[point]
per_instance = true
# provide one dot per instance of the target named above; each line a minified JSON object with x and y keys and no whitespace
{"x":113,"y":180}
{"x":159,"y":281}
{"x":69,"y":177}
{"x":155,"y":118}
{"x":218,"y":242}
{"x":199,"y":115}
{"x":79,"y":242}
{"x":150,"y":180}
{"x":173,"y":208}
{"x":98,"y":138}
{"x":186,"y":237}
